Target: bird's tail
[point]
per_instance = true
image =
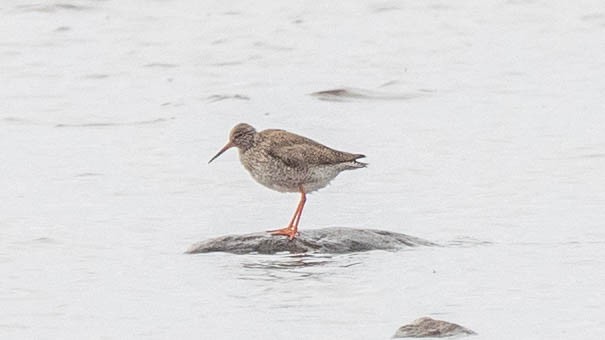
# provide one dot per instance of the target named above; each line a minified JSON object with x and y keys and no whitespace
{"x":355,"y":164}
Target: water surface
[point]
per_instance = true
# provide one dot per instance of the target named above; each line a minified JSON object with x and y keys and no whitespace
{"x":482,"y":122}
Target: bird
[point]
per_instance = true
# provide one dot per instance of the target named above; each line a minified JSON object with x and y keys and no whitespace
{"x":287,"y":162}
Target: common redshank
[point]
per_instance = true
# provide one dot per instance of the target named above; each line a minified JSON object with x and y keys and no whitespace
{"x":286,"y":162}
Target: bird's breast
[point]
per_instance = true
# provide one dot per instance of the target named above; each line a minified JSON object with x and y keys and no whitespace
{"x":273,"y":173}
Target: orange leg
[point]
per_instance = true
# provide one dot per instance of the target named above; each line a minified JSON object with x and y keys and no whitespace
{"x":303,"y":199}
{"x":292,"y":229}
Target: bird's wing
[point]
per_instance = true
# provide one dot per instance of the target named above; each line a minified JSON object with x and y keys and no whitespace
{"x":298,"y":151}
{"x":309,"y":154}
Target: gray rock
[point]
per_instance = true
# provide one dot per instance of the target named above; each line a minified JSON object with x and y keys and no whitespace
{"x":430,"y":328}
{"x":327,"y":240}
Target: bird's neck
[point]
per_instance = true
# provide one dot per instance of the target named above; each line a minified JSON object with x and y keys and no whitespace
{"x":245,"y":144}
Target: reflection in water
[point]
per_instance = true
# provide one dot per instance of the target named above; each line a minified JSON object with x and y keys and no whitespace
{"x":294,"y":267}
{"x":292,"y":282}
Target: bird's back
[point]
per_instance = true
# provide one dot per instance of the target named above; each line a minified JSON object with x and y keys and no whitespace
{"x":298,"y":151}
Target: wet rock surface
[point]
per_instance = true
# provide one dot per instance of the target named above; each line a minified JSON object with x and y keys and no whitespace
{"x":430,"y":328}
{"x":334,"y":240}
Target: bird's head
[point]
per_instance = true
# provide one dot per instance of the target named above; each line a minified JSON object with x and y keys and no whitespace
{"x":241,"y":136}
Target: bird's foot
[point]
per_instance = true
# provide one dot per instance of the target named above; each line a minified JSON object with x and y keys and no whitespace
{"x":291,"y":232}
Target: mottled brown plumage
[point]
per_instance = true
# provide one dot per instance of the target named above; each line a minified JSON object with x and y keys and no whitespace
{"x":287,"y":162}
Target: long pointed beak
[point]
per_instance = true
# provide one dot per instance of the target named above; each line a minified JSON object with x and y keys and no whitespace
{"x":225,"y":148}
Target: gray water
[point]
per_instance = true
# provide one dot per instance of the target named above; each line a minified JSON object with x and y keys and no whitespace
{"x":483,"y":123}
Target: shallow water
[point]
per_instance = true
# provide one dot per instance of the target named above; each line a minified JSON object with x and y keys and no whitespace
{"x":482,"y":122}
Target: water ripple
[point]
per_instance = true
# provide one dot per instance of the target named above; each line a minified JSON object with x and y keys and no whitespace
{"x":51,"y":8}
{"x":219,"y":97}
{"x":351,"y":94}
{"x":109,"y":124}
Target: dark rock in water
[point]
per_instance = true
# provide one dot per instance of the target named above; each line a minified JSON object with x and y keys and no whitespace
{"x":326,"y":240}
{"x":430,"y":328}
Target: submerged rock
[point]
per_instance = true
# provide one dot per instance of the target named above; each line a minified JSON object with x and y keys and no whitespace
{"x":430,"y":328}
{"x":327,"y":240}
